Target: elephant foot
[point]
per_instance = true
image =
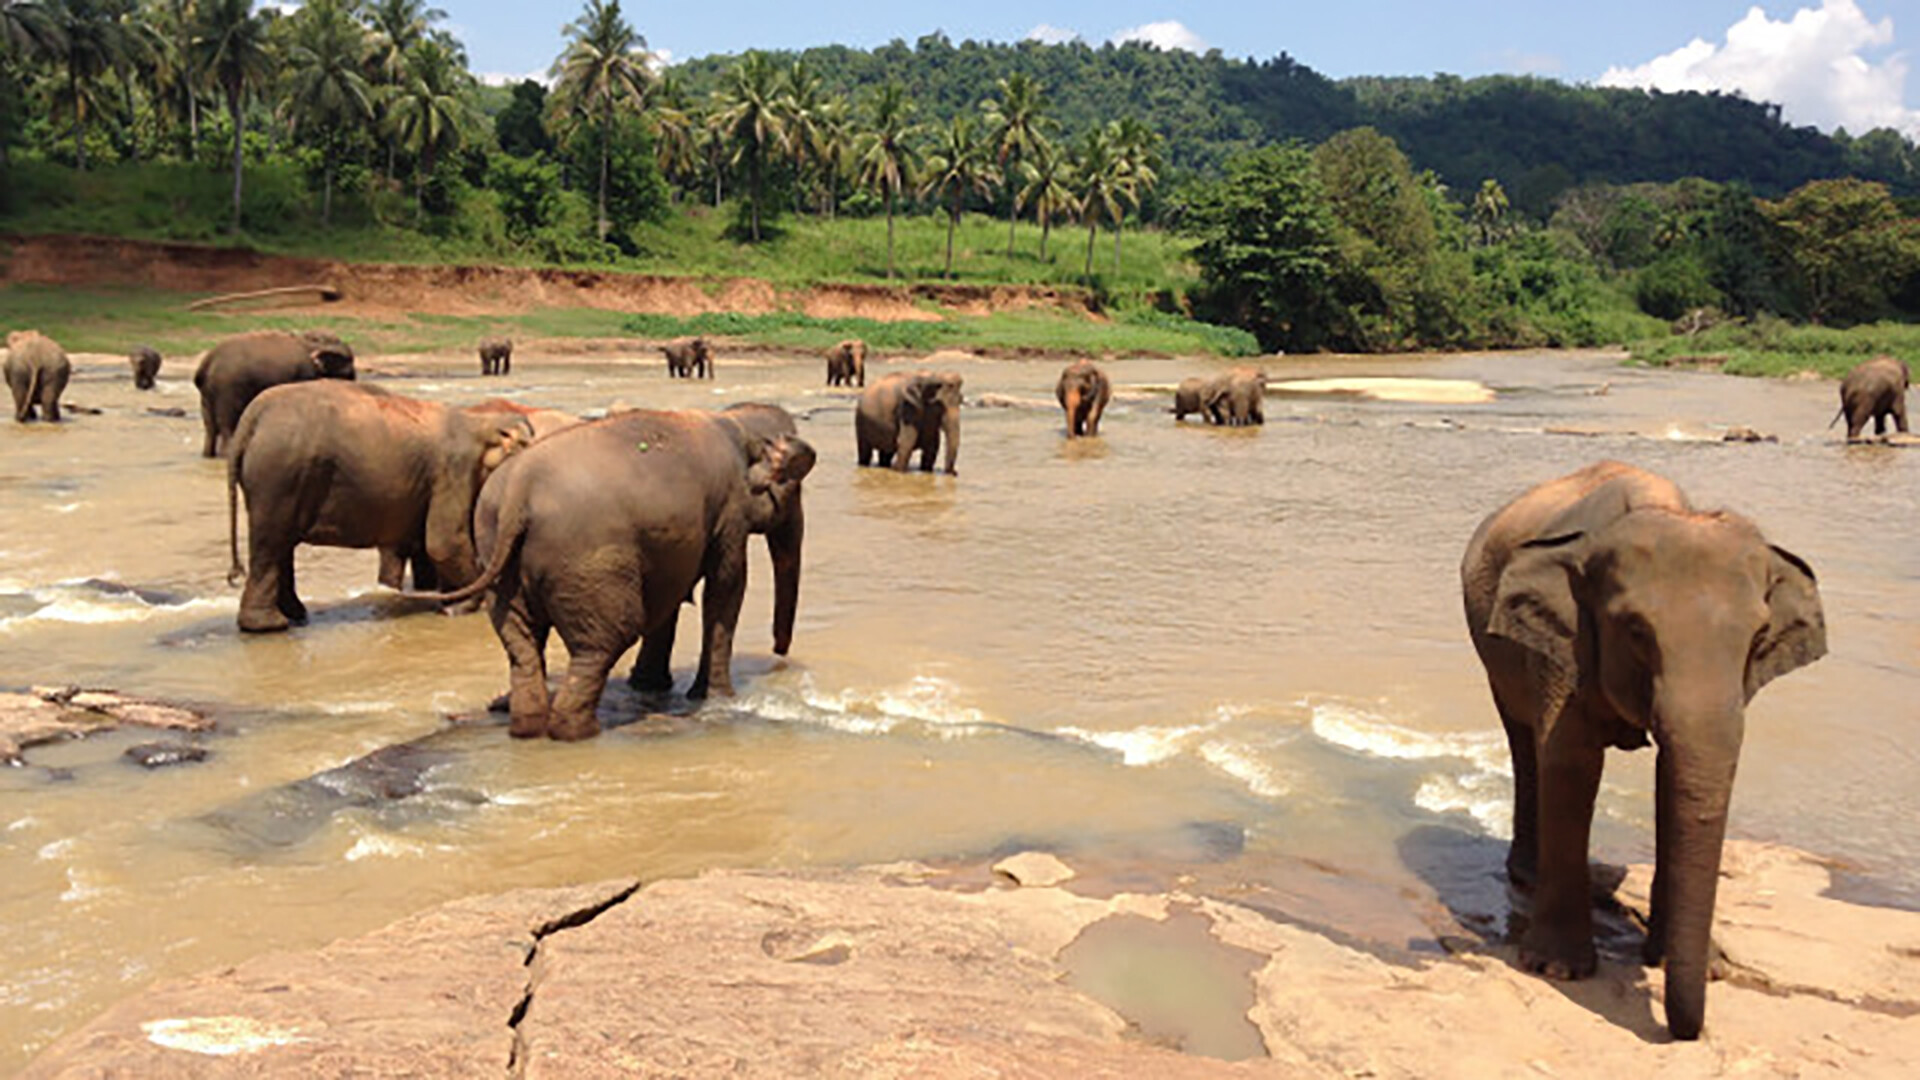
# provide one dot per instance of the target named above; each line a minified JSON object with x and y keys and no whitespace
{"x":1562,"y":961}
{"x":527,"y":727}
{"x":500,"y":704}
{"x":574,"y":729}
{"x":650,"y":682}
{"x":270,"y":621}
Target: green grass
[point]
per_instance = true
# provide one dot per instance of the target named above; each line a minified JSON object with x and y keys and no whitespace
{"x":1042,"y":329}
{"x":1773,"y":347}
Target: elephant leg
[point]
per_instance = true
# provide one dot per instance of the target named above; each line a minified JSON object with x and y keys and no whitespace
{"x":720,"y":601}
{"x":575,"y":706}
{"x":653,"y":668}
{"x":929,"y":451}
{"x":1559,"y":938}
{"x":425,"y":577}
{"x":261,"y":610}
{"x":526,"y":645}
{"x":288,"y":601}
{"x":393,"y":568}
{"x":1523,"y":854}
{"x":1093,"y":418}
{"x":904,"y":443}
{"x":866,"y":450}
{"x":1900,"y":413}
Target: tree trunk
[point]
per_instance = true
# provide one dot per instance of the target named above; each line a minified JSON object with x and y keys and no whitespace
{"x":326,"y":196}
{"x":605,"y":140}
{"x":755,"y":178}
{"x":1093,"y":230}
{"x":79,"y":120}
{"x":1046,"y":227}
{"x":1117,"y":223}
{"x":1013,"y":211}
{"x":233,"y":109}
{"x":953,"y":221}
{"x":889,"y":234}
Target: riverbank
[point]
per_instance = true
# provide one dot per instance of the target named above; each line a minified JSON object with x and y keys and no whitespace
{"x":1030,"y":967}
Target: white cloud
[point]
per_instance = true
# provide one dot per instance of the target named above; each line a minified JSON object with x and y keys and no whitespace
{"x":1049,"y":34}
{"x":1818,"y":66}
{"x":503,"y":78}
{"x":1168,"y":34}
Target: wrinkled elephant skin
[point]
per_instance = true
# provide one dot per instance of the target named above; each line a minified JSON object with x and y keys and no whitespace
{"x":1875,"y":390}
{"x":847,"y":363}
{"x":36,"y":371}
{"x":238,"y":369}
{"x":1083,"y":392}
{"x":905,"y":412}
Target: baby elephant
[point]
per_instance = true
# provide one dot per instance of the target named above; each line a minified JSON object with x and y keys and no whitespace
{"x":1874,"y":390}
{"x":688,"y":358}
{"x":1083,"y":391}
{"x":37,"y":371}
{"x":496,"y":356}
{"x":145,"y":360}
{"x":847,"y":363}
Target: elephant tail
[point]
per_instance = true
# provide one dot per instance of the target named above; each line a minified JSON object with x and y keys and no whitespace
{"x":513,"y":528}
{"x":1836,"y":417}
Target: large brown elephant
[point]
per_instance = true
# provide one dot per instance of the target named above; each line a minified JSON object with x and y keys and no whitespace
{"x":905,"y":412}
{"x":1083,"y":391}
{"x":688,"y":358}
{"x":145,"y":361}
{"x":1874,"y":390}
{"x":847,"y":363}
{"x":1236,"y":398}
{"x":36,"y":371}
{"x":496,"y":356}
{"x":344,"y":465}
{"x":1607,"y":610}
{"x":235,"y":371}
{"x":601,"y":531}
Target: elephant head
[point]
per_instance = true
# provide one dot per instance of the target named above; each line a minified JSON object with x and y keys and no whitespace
{"x":476,"y":445}
{"x":332,"y":358}
{"x":929,"y":400}
{"x":1663,"y":623}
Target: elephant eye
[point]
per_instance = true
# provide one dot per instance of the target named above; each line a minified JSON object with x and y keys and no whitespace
{"x":1640,"y":634}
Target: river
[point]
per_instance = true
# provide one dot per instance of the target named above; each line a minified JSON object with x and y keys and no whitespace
{"x":1173,"y":643}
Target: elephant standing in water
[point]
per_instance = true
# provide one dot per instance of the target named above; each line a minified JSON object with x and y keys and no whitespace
{"x":1083,"y":391}
{"x":688,"y":358}
{"x":1236,"y":398}
{"x":1606,"y":610}
{"x":1189,"y":397}
{"x":145,"y":361}
{"x":496,"y":356}
{"x":847,"y":363}
{"x":906,"y":412}
{"x":235,"y":372}
{"x":1875,"y":390}
{"x":344,"y":465}
{"x":601,"y":531}
{"x":36,"y":371}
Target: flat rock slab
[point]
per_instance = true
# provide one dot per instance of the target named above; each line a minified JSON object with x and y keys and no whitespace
{"x":53,"y":713}
{"x":902,"y":971}
{"x":1418,"y":391}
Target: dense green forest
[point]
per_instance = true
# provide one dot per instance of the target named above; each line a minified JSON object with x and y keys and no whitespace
{"x":1367,"y":214}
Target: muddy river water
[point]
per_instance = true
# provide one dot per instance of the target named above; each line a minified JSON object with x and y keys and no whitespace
{"x":1168,"y":643}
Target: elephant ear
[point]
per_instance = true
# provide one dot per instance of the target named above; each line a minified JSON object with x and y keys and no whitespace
{"x":914,"y":395}
{"x":1535,"y":607}
{"x":1796,"y":632}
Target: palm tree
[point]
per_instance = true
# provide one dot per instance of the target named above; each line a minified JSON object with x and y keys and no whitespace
{"x":1049,"y":189}
{"x":885,"y":153}
{"x":326,"y":92}
{"x":605,"y":64}
{"x":1136,"y":147}
{"x":676,"y":137}
{"x":1101,"y":182}
{"x":960,"y":166}
{"x":397,"y":26}
{"x":833,"y":145}
{"x":799,"y":104}
{"x":749,"y":119}
{"x":230,"y":49}
{"x":175,"y":87}
{"x":1490,"y":211}
{"x":28,"y":30}
{"x":93,"y":40}
{"x":1018,"y":127}
{"x":429,"y":111}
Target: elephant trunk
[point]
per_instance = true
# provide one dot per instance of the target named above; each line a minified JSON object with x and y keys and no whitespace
{"x":783,"y":544}
{"x":1696,"y":786}
{"x":950,"y":424}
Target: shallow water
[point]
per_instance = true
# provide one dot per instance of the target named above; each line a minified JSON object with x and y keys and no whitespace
{"x":1172,"y":642}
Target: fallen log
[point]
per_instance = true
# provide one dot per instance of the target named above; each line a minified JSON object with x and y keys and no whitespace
{"x":328,"y":293}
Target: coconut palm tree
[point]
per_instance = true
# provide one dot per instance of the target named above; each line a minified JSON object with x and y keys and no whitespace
{"x":1048,"y":189}
{"x":1017,"y":129}
{"x":93,"y":39}
{"x":230,"y":49}
{"x":749,"y":116}
{"x":28,"y":31}
{"x":799,"y":104}
{"x":833,"y":148}
{"x":885,"y":154}
{"x":605,"y":65}
{"x":1101,"y":183}
{"x":676,"y":136}
{"x":396,"y":26}
{"x":961,"y":165}
{"x":429,"y":111}
{"x":1490,"y":211}
{"x":327,"y":94}
{"x":1136,"y":147}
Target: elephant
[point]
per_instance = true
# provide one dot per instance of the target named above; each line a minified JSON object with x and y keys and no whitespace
{"x":345,"y":465}
{"x":1606,"y":610}
{"x":496,"y":356}
{"x":601,"y":531}
{"x":847,"y":363}
{"x":37,"y":371}
{"x":905,"y":412}
{"x":1874,"y":390}
{"x":688,"y":358}
{"x":1189,"y":397}
{"x":1083,"y":391}
{"x":235,"y":372}
{"x":145,"y":360}
{"x":1235,"y":398}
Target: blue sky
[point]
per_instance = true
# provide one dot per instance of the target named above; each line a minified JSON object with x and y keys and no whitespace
{"x":1830,"y":62}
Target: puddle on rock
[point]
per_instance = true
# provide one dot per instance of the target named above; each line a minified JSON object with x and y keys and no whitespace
{"x":1172,"y":980}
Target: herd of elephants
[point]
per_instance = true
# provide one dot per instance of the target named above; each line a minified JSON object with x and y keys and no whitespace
{"x":1606,"y":609}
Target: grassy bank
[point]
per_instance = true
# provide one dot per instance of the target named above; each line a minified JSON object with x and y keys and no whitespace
{"x":113,"y":319}
{"x":1773,"y":347}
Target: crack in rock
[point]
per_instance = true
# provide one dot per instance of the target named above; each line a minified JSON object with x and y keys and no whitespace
{"x":516,"y":1058}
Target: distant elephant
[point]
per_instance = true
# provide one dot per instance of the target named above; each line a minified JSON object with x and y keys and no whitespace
{"x":689,"y":358}
{"x":496,"y":356}
{"x":1875,"y":390}
{"x":145,"y":361}
{"x":1236,"y":398}
{"x":37,"y":371}
{"x":1189,"y":397}
{"x":601,"y":532}
{"x":235,"y":371}
{"x":905,"y":412}
{"x":344,"y":465}
{"x":847,"y":363}
{"x":1083,"y":391}
{"x":1607,"y":610}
